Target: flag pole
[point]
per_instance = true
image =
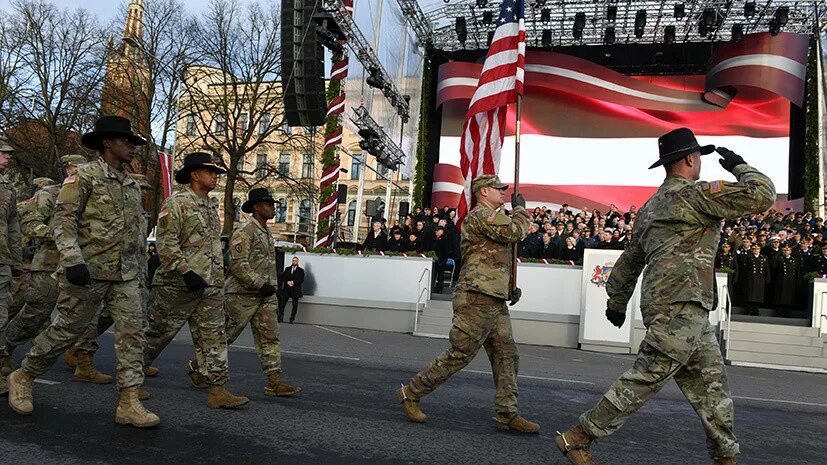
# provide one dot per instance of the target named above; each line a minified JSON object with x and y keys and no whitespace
{"x":516,"y":185}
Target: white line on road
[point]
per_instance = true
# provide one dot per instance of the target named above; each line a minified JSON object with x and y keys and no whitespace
{"x":795,"y":402}
{"x":46,"y":382}
{"x":342,"y":357}
{"x":343,"y":334}
{"x":542,"y":378}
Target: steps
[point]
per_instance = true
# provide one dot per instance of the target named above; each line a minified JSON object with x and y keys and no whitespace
{"x":777,"y":346}
{"x":435,"y":320}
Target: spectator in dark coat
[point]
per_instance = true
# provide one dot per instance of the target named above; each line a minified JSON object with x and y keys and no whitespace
{"x":377,"y":239}
{"x":550,"y":249}
{"x":753,"y":277}
{"x":532,"y":245}
{"x":397,"y":243}
{"x":291,"y":288}
{"x":784,"y":271}
{"x":414,"y":243}
{"x":442,"y":248}
{"x":570,"y":252}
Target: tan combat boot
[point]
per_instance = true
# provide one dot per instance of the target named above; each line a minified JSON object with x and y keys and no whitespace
{"x":515,"y":423}
{"x":725,"y":461}
{"x":71,"y":357}
{"x":220,"y":397}
{"x":84,"y":371}
{"x":20,"y":392}
{"x":151,"y":372}
{"x":411,"y":406}
{"x":132,"y":412}
{"x":574,"y":444}
{"x":196,"y":378}
{"x":143,"y":393}
{"x":276,"y":388}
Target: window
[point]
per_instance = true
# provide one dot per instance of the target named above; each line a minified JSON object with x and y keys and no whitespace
{"x":285,"y":128}
{"x":307,"y":166}
{"x":281,"y":211}
{"x":351,"y":213}
{"x":356,"y":166}
{"x":240,"y":165}
{"x":264,"y":123}
{"x":220,"y":125}
{"x":190,"y":130}
{"x":284,"y":164}
{"x":243,"y":121}
{"x":261,"y":165}
{"x":304,"y":216}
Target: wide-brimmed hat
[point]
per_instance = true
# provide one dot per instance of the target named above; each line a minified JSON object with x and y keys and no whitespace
{"x":258,"y":194}
{"x":194,"y":161}
{"x":110,"y":127}
{"x":677,"y":144}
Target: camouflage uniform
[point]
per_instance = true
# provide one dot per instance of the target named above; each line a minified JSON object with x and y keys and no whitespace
{"x":19,"y":283}
{"x":188,"y":240}
{"x":480,"y":312}
{"x":40,"y":296}
{"x":11,"y":251}
{"x":676,"y":237}
{"x":252,"y":264}
{"x":93,"y":224}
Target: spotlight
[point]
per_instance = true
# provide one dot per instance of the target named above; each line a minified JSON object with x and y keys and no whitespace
{"x":611,"y":13}
{"x":782,"y":14}
{"x":579,"y":25}
{"x":481,"y":3}
{"x":737,"y":32}
{"x":640,"y":23}
{"x":490,"y":37}
{"x":669,"y":34}
{"x":374,"y":78}
{"x":708,"y":17}
{"x":546,"y":38}
{"x":749,"y":10}
{"x":609,"y":36}
{"x":462,"y":30}
{"x":775,"y":28}
{"x":545,"y":15}
{"x":702,"y":29}
{"x":680,"y":10}
{"x":487,"y":17}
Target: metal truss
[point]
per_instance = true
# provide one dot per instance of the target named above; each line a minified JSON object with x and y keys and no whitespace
{"x":419,"y":23}
{"x":556,"y":18}
{"x":391,"y":155}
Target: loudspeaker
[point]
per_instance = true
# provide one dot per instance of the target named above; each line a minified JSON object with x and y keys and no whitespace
{"x":302,"y":65}
{"x":371,"y":208}
{"x":403,"y":208}
{"x":342,"y":194}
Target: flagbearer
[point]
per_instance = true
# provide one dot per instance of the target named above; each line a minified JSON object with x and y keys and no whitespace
{"x":480,"y":313}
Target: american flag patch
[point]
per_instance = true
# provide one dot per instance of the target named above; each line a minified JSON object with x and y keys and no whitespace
{"x":716,"y":187}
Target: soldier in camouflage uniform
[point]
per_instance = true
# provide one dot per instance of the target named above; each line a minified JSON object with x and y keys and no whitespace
{"x":249,"y":292}
{"x":10,"y":242}
{"x":480,"y":313}
{"x":98,"y":239}
{"x":188,"y":286}
{"x":675,"y":237}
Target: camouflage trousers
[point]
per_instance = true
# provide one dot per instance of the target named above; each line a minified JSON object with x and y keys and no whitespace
{"x":77,"y":306}
{"x":702,"y":379}
{"x":172,"y":307}
{"x":479,"y":321}
{"x":18,"y":293}
{"x":40,"y":298}
{"x":88,"y":343}
{"x":260,"y":314}
{"x":5,"y":296}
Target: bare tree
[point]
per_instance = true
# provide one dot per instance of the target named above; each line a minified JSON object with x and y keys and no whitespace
{"x":234,"y":99}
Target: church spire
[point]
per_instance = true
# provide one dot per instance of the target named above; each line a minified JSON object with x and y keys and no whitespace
{"x":134,"y":27}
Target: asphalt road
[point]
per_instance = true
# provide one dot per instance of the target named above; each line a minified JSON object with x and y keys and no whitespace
{"x":347,"y":412}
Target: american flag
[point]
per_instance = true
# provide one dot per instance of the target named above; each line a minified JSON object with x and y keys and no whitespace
{"x":501,"y":81}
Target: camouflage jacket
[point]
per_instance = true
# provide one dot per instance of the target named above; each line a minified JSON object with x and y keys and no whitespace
{"x":252,"y":259}
{"x":676,"y":237}
{"x":94,"y":222}
{"x":188,"y":239}
{"x":35,"y":224}
{"x":27,"y":251}
{"x":487,"y":243}
{"x":11,"y":245}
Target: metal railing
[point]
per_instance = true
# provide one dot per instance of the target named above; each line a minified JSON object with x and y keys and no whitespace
{"x":420,"y":292}
{"x":728,"y":313}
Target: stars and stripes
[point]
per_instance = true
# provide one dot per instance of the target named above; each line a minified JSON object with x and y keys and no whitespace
{"x":500,"y":82}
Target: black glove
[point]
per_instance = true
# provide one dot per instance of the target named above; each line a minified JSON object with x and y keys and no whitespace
{"x":194,"y":282}
{"x":16,"y":272}
{"x":78,"y":275}
{"x":616,"y":318}
{"x":266,"y":290}
{"x":515,"y":296}
{"x":517,"y":200}
{"x":729,"y":159}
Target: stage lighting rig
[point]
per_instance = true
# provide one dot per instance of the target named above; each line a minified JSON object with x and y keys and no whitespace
{"x":546,"y":38}
{"x":461,"y":29}
{"x":680,"y":10}
{"x":775,"y":28}
{"x":482,"y":3}
{"x":708,"y":18}
{"x":737,"y":32}
{"x":545,"y":15}
{"x":702,"y":29}
{"x":611,"y":13}
{"x":782,"y":15}
{"x":490,"y":38}
{"x":609,"y":36}
{"x":376,"y":142}
{"x":640,"y":23}
{"x":579,"y":25}
{"x":749,"y":10}
{"x":487,"y":17}
{"x":418,"y":21}
{"x":669,"y":34}
{"x":376,"y":80}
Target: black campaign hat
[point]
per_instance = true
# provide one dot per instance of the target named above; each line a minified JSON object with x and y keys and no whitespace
{"x":110,"y":127}
{"x":194,"y":161}
{"x":677,"y":144}
{"x":258,"y":194}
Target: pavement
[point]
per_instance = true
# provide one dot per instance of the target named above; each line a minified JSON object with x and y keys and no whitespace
{"x":347,"y":412}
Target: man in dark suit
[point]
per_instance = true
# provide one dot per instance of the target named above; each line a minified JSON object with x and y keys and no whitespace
{"x":291,"y":288}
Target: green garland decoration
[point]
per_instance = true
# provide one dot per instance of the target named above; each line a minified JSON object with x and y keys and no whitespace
{"x":811,"y":140}
{"x":329,"y":155}
{"x":422,"y":137}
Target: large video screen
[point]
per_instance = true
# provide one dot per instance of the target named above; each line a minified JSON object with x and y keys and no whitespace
{"x":591,"y":153}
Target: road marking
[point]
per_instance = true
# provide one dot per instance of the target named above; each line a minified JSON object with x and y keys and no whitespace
{"x":343,"y":334}
{"x":46,"y":382}
{"x":342,"y":357}
{"x":542,"y":378}
{"x":795,"y":402}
